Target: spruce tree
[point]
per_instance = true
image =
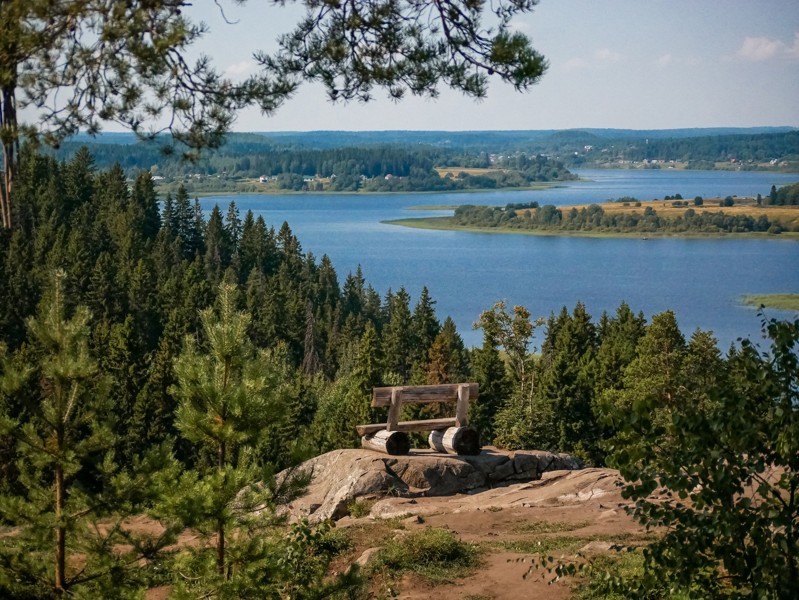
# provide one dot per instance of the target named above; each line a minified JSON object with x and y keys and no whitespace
{"x":566,"y":382}
{"x":488,"y":370}
{"x":448,"y":362}
{"x":425,"y":328}
{"x":397,"y":342}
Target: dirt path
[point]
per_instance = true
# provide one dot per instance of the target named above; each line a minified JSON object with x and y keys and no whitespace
{"x":563,"y":513}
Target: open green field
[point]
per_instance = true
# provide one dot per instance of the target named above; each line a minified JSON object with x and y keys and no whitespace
{"x":778,"y":301}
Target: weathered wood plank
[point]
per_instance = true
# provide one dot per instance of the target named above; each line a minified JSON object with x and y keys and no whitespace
{"x":426,"y":425}
{"x":421,"y":394}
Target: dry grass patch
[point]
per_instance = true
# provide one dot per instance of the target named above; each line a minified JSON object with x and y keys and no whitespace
{"x":787,"y":215}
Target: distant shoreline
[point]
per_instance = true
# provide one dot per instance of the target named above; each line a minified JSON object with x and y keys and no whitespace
{"x":162,"y":190}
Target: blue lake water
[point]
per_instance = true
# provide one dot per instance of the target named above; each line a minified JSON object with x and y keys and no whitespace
{"x":701,"y":280}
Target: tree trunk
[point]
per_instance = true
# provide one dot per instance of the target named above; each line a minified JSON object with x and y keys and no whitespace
{"x":8,"y":134}
{"x":9,"y":127}
{"x":220,"y":524}
{"x":60,"y":533}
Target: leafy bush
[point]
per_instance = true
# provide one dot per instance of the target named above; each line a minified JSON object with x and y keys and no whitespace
{"x":718,"y":469}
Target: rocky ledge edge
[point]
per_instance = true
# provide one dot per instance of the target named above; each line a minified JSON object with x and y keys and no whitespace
{"x":342,"y":476}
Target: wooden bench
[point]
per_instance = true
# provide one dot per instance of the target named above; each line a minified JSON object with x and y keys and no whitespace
{"x":452,"y":435}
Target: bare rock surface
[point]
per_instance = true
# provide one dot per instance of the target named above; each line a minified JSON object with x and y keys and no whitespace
{"x":555,"y":489}
{"x":341,"y":476}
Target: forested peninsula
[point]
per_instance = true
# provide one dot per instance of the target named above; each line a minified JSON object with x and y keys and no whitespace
{"x":775,"y":214}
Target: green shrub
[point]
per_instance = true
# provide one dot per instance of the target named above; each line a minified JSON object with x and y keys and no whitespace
{"x":435,"y":554}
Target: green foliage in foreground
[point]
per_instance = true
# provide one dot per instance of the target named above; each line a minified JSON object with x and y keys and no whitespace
{"x":72,"y":495}
{"x":714,"y":467}
{"x":599,"y":582}
{"x":778,"y":301}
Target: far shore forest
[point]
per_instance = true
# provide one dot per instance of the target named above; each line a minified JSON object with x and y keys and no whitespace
{"x":433,"y":161}
{"x":157,"y":360}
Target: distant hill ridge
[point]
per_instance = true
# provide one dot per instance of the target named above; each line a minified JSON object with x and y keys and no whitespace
{"x":326,"y":138}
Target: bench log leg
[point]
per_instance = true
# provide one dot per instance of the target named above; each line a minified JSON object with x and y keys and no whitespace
{"x":387,"y":442}
{"x":455,"y":440}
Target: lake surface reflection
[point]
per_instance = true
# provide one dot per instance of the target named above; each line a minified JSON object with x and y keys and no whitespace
{"x":701,"y":280}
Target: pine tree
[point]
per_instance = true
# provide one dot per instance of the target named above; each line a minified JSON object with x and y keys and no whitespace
{"x":67,"y":471}
{"x":225,"y":405}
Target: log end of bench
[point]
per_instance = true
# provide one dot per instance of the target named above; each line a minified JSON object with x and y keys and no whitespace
{"x":387,"y":442}
{"x":455,"y":440}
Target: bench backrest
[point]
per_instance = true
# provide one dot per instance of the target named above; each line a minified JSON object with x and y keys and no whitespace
{"x":394,"y":397}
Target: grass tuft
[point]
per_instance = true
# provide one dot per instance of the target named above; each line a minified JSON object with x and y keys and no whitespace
{"x":360,"y":508}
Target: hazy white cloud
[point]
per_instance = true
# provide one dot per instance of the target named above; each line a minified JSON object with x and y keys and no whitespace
{"x":665,"y":60}
{"x":599,"y":58}
{"x":239,"y":69}
{"x":763,"y":48}
{"x":575,"y":63}
{"x":606,"y":55}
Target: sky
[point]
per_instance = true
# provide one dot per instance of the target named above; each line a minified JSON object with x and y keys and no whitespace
{"x":657,"y":64}
{"x":630,"y":64}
